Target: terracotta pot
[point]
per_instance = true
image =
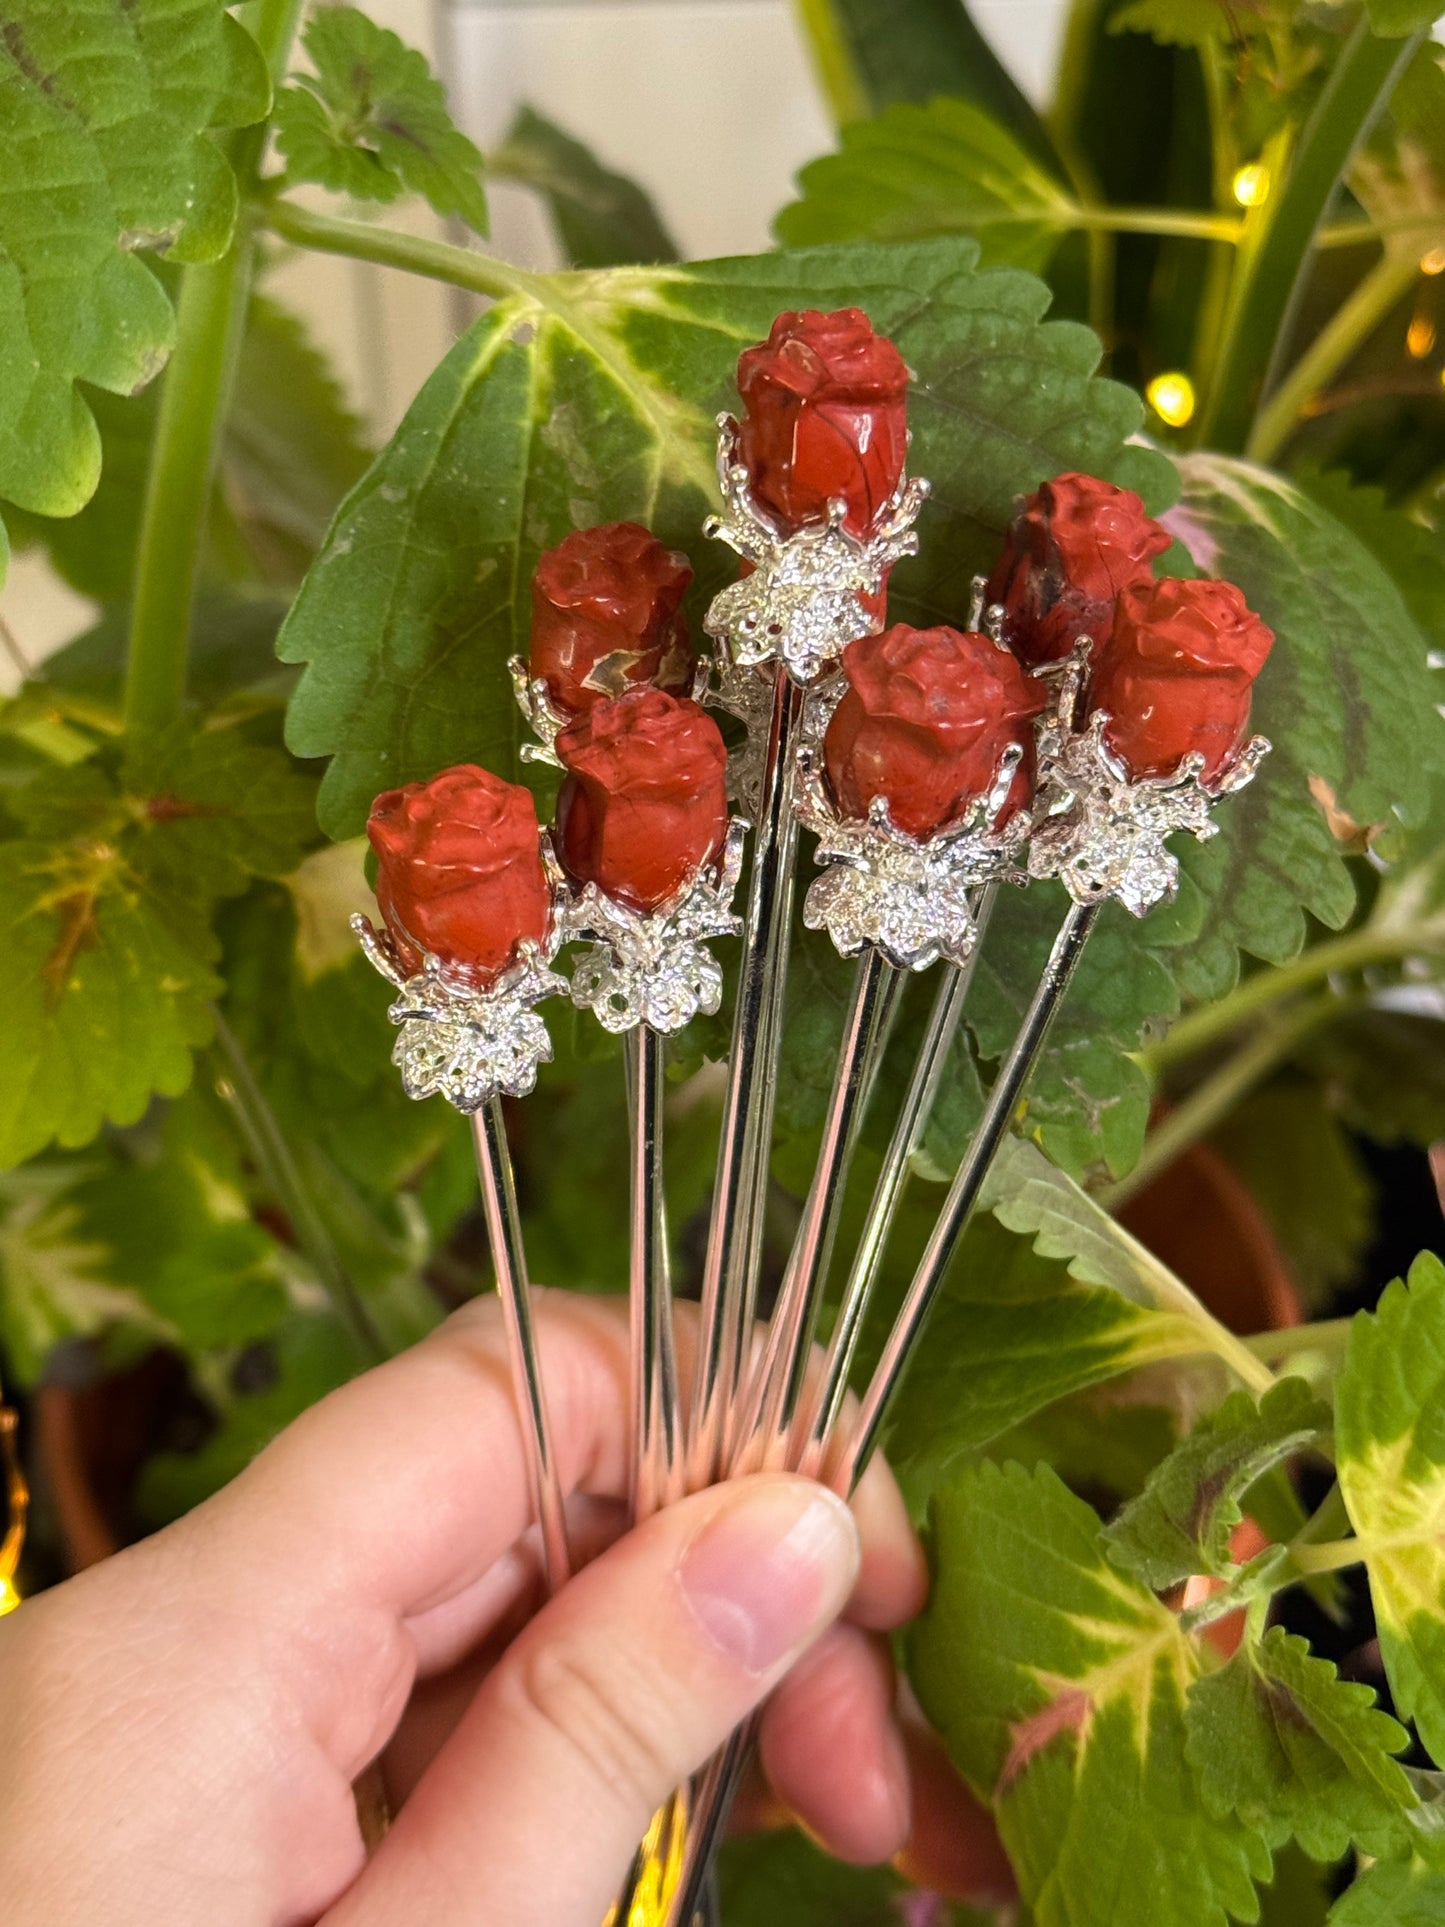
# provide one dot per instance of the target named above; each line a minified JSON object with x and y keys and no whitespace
{"x":91,"y":1441}
{"x":1202,"y":1220}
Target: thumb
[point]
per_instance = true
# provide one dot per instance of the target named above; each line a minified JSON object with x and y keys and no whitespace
{"x":618,"y":1690}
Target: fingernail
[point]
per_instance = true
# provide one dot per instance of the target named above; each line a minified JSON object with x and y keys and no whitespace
{"x":770,"y":1570}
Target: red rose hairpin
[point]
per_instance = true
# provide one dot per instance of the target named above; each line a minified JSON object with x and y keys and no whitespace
{"x":644,"y":838}
{"x":607,"y":618}
{"x":1087,"y":713}
{"x":818,"y":506}
{"x":1176,"y":662}
{"x":466,"y":898}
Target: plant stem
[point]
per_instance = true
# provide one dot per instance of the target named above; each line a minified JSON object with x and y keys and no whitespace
{"x":389,"y":248}
{"x":210,"y":324}
{"x":833,"y":66}
{"x":1333,"y":1556}
{"x":210,"y":321}
{"x":1354,"y":234}
{"x":1217,"y":1096}
{"x":1329,"y":1520}
{"x":277,"y":1166}
{"x":1269,"y":279}
{"x":1329,"y":1335}
{"x":1174,"y":223}
{"x":1356,"y":950}
{"x":1352,"y":324}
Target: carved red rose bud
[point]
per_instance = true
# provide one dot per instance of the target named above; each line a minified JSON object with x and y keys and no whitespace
{"x":1176,"y":675}
{"x":925,"y":722}
{"x":825,"y":415}
{"x":607,"y":616}
{"x":1070,"y":550}
{"x":644,"y":806}
{"x":460,"y":870}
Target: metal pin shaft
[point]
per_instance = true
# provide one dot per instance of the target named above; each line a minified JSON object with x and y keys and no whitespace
{"x":735,"y":1231}
{"x":766,"y":1416}
{"x":504,"y":1231}
{"x":721,"y":1780}
{"x":943,"y":1022}
{"x":656,"y":1433}
{"x":963,"y":1193}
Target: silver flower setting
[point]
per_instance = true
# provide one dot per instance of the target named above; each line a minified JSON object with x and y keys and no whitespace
{"x":913,"y":900}
{"x":805,"y":599}
{"x":1101,"y":832}
{"x":653,"y":967}
{"x":465,"y":1043}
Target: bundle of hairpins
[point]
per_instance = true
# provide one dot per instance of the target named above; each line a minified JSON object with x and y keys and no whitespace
{"x":1089,"y":712}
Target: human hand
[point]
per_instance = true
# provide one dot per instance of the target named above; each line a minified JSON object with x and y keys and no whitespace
{"x":181,"y":1726}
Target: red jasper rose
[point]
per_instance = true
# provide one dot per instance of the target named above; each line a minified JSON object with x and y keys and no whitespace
{"x":644,"y":806}
{"x":607,"y":616}
{"x":1176,"y":673}
{"x":925,"y":722}
{"x":825,"y":415}
{"x":460,"y":870}
{"x":1069,"y":551}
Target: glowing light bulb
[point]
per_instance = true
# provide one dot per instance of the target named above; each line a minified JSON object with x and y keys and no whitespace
{"x":1433,"y":262}
{"x":1171,"y":397}
{"x":1251,"y":185}
{"x":1420,"y":338}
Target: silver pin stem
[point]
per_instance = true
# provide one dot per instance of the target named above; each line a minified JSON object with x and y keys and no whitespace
{"x":504,"y":1231}
{"x":656,"y":1441}
{"x":735,"y":1231}
{"x":766,"y":1415}
{"x":721,"y":1780}
{"x":963,"y":1193}
{"x":908,"y":1132}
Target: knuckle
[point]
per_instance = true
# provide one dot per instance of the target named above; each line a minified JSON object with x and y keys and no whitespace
{"x":594,"y":1705}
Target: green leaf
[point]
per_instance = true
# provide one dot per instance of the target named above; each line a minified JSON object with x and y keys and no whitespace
{"x":880,"y":52}
{"x":1088,"y":1099}
{"x":917,"y":172}
{"x":372,"y":121}
{"x":1010,"y":1334}
{"x":1392,"y":1894}
{"x":1299,"y":1894}
{"x":105,"y":150}
{"x":773,"y":1879}
{"x":1396,"y":18}
{"x":1197,"y":23}
{"x":176,"y":1224}
{"x":1278,"y":1738}
{"x":54,"y":1273}
{"x":1308,"y":1179}
{"x":1182,"y":1521}
{"x":1345,"y":698}
{"x":1029,"y":1194}
{"x":108,"y":955}
{"x":1097,"y":1441}
{"x":593,"y":400}
{"x":1390,"y":1446}
{"x":603,"y":219}
{"x":290,"y":450}
{"x":1385,"y":1071}
{"x":1058,"y":1686}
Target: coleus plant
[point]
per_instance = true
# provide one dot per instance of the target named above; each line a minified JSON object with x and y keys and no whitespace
{"x":206,"y":1148}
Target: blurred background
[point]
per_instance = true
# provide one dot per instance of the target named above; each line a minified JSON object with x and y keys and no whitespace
{"x":658,"y":88}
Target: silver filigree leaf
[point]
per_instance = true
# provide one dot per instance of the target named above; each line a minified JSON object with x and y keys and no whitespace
{"x":913,"y":900}
{"x":1103,"y":834}
{"x":654,"y":968}
{"x":806,"y":598}
{"x":460,"y":1041}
